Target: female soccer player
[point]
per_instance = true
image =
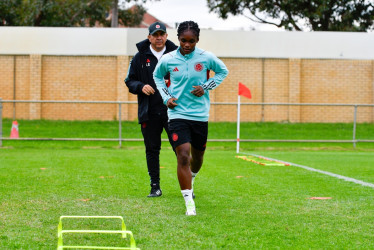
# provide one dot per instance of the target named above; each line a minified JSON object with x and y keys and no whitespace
{"x":187,"y":99}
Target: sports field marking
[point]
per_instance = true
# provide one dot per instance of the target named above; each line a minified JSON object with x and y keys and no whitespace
{"x":366,"y":184}
{"x":261,"y":161}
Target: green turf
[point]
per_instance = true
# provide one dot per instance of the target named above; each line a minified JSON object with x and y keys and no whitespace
{"x":219,"y":130}
{"x":357,"y":165}
{"x":240,"y":205}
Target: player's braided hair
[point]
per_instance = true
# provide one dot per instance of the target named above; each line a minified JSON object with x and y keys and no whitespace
{"x":189,"y":25}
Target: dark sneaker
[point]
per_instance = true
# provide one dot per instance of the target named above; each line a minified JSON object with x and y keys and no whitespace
{"x":155,"y":192}
{"x":193,"y":195}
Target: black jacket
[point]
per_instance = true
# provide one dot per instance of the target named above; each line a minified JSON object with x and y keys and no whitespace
{"x":141,"y":73}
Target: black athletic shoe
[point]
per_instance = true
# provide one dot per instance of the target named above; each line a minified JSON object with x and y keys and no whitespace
{"x":155,"y":192}
{"x":193,"y":195}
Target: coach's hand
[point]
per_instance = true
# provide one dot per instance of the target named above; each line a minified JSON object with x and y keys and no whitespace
{"x":198,"y":91}
{"x":148,"y":90}
{"x":171,"y":104}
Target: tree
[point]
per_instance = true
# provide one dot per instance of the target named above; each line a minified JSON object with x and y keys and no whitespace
{"x":65,"y":13}
{"x":317,"y":15}
{"x":129,"y":17}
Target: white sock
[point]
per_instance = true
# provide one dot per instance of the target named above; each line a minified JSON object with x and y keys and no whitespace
{"x":193,"y":177}
{"x":187,"y":195}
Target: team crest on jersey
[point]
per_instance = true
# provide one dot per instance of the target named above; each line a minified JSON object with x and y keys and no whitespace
{"x":199,"y":67}
{"x":175,"y":137}
{"x":148,"y":63}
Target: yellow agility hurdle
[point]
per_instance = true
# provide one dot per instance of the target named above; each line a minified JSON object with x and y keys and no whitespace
{"x":123,"y":232}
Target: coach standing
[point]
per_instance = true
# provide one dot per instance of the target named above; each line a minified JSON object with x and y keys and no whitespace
{"x":152,"y":113}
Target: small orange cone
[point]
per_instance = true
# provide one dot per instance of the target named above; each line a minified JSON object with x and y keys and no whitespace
{"x":14,"y":132}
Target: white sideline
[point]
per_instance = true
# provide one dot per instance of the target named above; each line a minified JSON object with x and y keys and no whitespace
{"x":366,"y":184}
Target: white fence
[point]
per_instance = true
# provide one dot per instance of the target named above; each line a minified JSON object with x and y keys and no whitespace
{"x":354,"y":140}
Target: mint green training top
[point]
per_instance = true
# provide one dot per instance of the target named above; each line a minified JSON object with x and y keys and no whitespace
{"x":186,"y":71}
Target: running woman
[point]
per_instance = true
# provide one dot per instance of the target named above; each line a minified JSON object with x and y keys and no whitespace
{"x":187,"y":99}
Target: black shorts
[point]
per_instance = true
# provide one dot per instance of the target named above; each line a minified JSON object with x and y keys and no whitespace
{"x":194,"y":132}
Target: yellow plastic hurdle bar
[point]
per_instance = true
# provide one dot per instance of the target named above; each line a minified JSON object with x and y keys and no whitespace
{"x":262,"y":160}
{"x":123,"y":231}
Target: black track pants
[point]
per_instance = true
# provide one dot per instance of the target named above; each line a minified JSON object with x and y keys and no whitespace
{"x":151,"y":131}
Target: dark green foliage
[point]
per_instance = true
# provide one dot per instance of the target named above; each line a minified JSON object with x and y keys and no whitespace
{"x":64,"y":13}
{"x":319,"y":15}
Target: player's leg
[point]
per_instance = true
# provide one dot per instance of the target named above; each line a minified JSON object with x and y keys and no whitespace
{"x":167,"y":130}
{"x":183,"y":169}
{"x":151,"y":131}
{"x":181,"y":137}
{"x":197,"y":158}
{"x":199,"y":137}
{"x":184,"y":176}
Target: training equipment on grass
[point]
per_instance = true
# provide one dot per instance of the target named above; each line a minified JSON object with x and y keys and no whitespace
{"x":123,"y":231}
{"x":262,"y":160}
{"x":244,"y":91}
{"x":14,"y":134}
{"x":320,"y":198}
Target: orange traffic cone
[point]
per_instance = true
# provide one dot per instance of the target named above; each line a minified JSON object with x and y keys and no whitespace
{"x":14,"y":132}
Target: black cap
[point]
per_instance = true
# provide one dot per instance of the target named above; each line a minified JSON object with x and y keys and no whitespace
{"x":156,"y":27}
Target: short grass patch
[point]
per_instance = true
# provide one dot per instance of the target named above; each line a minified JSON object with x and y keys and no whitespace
{"x":217,"y":130}
{"x":240,"y":205}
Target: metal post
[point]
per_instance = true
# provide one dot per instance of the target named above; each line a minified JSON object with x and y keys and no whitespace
{"x":238,"y":127}
{"x":119,"y":125}
{"x":354,"y":125}
{"x":114,"y":22}
{"x":263,"y":90}
{"x":1,"y":123}
{"x":14,"y":87}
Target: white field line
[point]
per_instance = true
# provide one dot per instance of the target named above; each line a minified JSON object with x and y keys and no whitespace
{"x":366,"y":184}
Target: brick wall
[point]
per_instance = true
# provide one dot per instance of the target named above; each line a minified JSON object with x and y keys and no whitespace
{"x":15,"y":71}
{"x":6,"y":83}
{"x":100,"y":78}
{"x":79,"y":78}
{"x":335,"y":81}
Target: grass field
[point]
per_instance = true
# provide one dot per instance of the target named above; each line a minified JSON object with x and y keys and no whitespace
{"x":221,"y":130}
{"x":240,"y":205}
